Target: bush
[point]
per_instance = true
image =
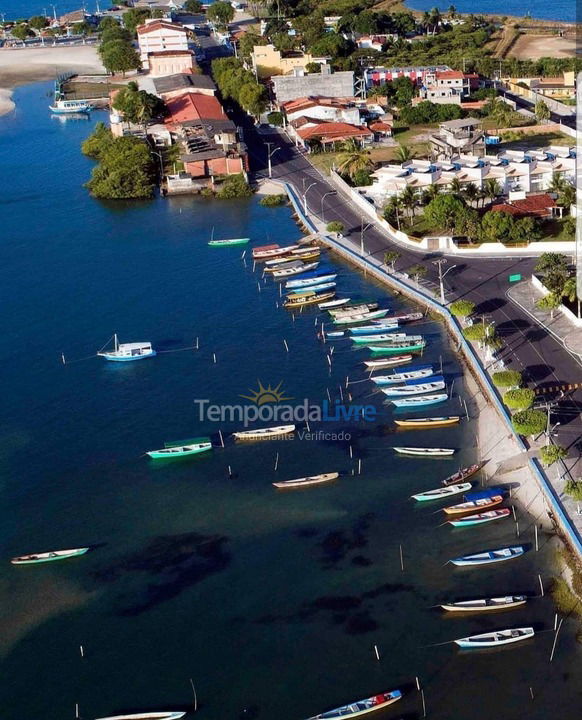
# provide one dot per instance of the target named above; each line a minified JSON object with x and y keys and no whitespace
{"x":520,"y":399}
{"x":361,"y":178}
{"x":273,"y":200}
{"x":275,"y":118}
{"x":475,"y":332}
{"x":98,"y":142}
{"x":234,"y":186}
{"x":574,"y":489}
{"x":335,"y":226}
{"x":426,"y":112}
{"x":125,"y":171}
{"x":550,"y":454}
{"x":462,"y":308}
{"x":507,"y":378}
{"x":529,"y":422}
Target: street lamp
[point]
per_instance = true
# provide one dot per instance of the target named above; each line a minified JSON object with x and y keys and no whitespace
{"x":153,"y":152}
{"x":270,"y":154}
{"x":331,"y":192}
{"x":440,"y":263}
{"x":305,"y":195}
{"x":362,"y":231}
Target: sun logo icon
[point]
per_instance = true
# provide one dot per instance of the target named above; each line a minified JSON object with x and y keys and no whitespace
{"x":265,"y":395}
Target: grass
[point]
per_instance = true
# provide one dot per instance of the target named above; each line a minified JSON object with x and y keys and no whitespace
{"x":88,"y":90}
{"x":419,"y":228}
{"x":564,"y":599}
{"x":553,"y":231}
{"x":533,"y":139}
{"x":325,"y":161}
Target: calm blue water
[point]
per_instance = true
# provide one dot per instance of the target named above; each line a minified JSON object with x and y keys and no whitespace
{"x":560,"y":10}
{"x":271,"y":602}
{"x":26,"y":8}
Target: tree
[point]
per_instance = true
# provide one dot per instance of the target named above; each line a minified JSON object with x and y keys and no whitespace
{"x":525,"y":230}
{"x":452,"y":12}
{"x":404,"y":90}
{"x":557,"y":183}
{"x":391,"y":210}
{"x":468,"y":223}
{"x":519,"y":399}
{"x":354,"y":158}
{"x":391,"y":257}
{"x":362,"y":178}
{"x":275,"y":118}
{"x":38,"y":22}
{"x":529,"y":422}
{"x":549,"y":302}
{"x":335,"y":227}
{"x":115,"y":32}
{"x":471,"y":192}
{"x":98,"y":142}
{"x":443,"y":210}
{"x":21,"y":32}
{"x":567,"y":195}
{"x":499,"y":111}
{"x":119,"y":56}
{"x":82,"y":28}
{"x":137,"y":106}
{"x":134,"y":17}
{"x":193,"y":6}
{"x":507,"y":378}
{"x":492,"y":188}
{"x":125,"y":171}
{"x":332,"y":44}
{"x":107,"y":23}
{"x":220,"y":13}
{"x":550,"y":454}
{"x":252,"y":98}
{"x":551,"y":262}
{"x":542,"y":111}
{"x":497,"y":226}
{"x":455,"y":186}
{"x":409,"y":200}
{"x":404,"y":154}
{"x":462,"y":308}
{"x":234,"y":186}
{"x":417,"y":271}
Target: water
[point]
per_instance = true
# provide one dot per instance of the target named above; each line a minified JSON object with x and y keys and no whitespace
{"x":15,"y":9}
{"x":269,"y":601}
{"x":561,"y":10}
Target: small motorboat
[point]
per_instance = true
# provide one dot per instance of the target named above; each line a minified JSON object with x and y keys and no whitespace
{"x":428,"y":422}
{"x":373,"y":329}
{"x":479,"y":518}
{"x":286,"y":265}
{"x":285,"y":272}
{"x":320,"y":287}
{"x":357,"y":308}
{"x":356,"y":318}
{"x":399,"y":347}
{"x":490,"y":556}
{"x":320,"y":279}
{"x":406,"y":317}
{"x":462,"y":474}
{"x":481,"y":505}
{"x":425,"y":452}
{"x":390,"y":338}
{"x":229,"y":241}
{"x":509,"y":602}
{"x":496,"y":638}
{"x":333,"y":303}
{"x":440,"y":493}
{"x":420,"y":401}
{"x":280,"y":431}
{"x":36,"y":558}
{"x":305,"y":481}
{"x":361,"y":707}
{"x":167,"y":715}
{"x":437,"y":383}
{"x":335,"y":334}
{"x":181,"y":448}
{"x":127,"y":352}
{"x":387,"y":362}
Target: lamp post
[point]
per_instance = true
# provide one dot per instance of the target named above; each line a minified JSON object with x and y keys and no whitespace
{"x":305,"y":195}
{"x":440,"y":263}
{"x":362,"y":231}
{"x":331,"y":192}
{"x":153,"y":152}
{"x":270,"y":154}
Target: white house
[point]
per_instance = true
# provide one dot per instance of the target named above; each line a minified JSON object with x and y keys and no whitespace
{"x":323,"y":108}
{"x":157,"y":36}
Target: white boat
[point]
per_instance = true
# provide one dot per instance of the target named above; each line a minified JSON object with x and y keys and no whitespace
{"x":70,"y":107}
{"x":302,"y":482}
{"x":359,"y":317}
{"x":333,"y":303}
{"x":387,"y":362}
{"x":496,"y":638}
{"x":283,"y":265}
{"x":413,"y":389}
{"x":406,"y":317}
{"x":319,"y":287}
{"x":266,"y":252}
{"x":305,"y":267}
{"x":490,"y":556}
{"x":373,"y":329}
{"x":265,"y":433}
{"x":44,"y":557}
{"x":425,"y":452}
{"x":403,"y":376}
{"x":421,"y":400}
{"x":127,"y":352}
{"x":361,"y":707}
{"x":167,"y":715}
{"x":318,"y":280}
{"x":509,"y":602}
{"x":441,"y":492}
{"x":359,"y":307}
{"x":382,"y":337}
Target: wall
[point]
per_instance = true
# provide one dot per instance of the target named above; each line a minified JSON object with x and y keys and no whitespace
{"x":533,"y":96}
{"x":566,"y":312}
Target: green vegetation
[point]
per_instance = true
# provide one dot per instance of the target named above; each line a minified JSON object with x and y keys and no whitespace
{"x":22,"y":31}
{"x":529,"y":422}
{"x":417,"y":271}
{"x":137,"y":106}
{"x":476,"y":332}
{"x":240,"y":85}
{"x":220,"y":13}
{"x":566,"y":602}
{"x":519,"y":399}
{"x":275,"y":119}
{"x":38,"y":22}
{"x":427,"y":112}
{"x":554,"y":269}
{"x":98,"y":142}
{"x":391,"y":257}
{"x":134,"y":17}
{"x":234,"y":186}
{"x":550,"y":454}
{"x":549,"y":303}
{"x":443,"y":211}
{"x":119,"y":56}
{"x":462,"y":308}
{"x":574,"y":489}
{"x":193,"y":6}
{"x":273,"y":200}
{"x":335,"y":227}
{"x":507,"y":378}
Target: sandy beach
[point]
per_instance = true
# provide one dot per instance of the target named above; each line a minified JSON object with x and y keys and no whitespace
{"x":18,"y":67}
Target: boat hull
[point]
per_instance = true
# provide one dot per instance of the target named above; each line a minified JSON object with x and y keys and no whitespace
{"x":168,"y":453}
{"x":479,"y":519}
{"x":228,"y":243}
{"x":128,"y":358}
{"x":428,"y":422}
{"x":498,"y":639}
{"x":39,"y":558}
{"x":421,"y":401}
{"x":474,"y":608}
{"x":486,"y":559}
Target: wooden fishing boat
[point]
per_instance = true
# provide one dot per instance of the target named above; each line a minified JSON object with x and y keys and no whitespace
{"x":462,"y":474}
{"x":299,"y":300}
{"x":413,"y":373}
{"x":480,"y":518}
{"x":305,"y":481}
{"x":509,"y":602}
{"x":127,"y":352}
{"x":399,"y":347}
{"x":406,"y":317}
{"x":44,"y":557}
{"x":425,"y":452}
{"x":267,"y":252}
{"x":288,"y":264}
{"x":311,"y":279}
{"x":420,"y":400}
{"x":387,"y":362}
{"x":285,"y":272}
{"x":333,"y":303}
{"x":481,"y":505}
{"x":312,"y":288}
{"x":361,"y":707}
{"x":336,"y":334}
{"x":229,"y":241}
{"x":490,"y":556}
{"x":354,"y":308}
{"x":404,"y":390}
{"x":167,"y":715}
{"x":496,"y":638}
{"x":440,"y":493}
{"x":306,"y":253}
{"x":380,"y":337}
{"x":373,"y":329}
{"x":428,"y":422}
{"x":181,"y":448}
{"x":265,"y":433}
{"x":358,"y":317}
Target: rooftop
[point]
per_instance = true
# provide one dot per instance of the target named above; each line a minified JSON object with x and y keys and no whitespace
{"x":533,"y":205}
{"x":460,"y":124}
{"x":157,"y":25}
{"x":193,"y":106}
{"x":180,"y":81}
{"x":331,"y":131}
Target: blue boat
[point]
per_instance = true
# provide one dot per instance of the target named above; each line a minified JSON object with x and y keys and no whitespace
{"x":128,"y":352}
{"x":319,"y":287}
{"x":485,"y":494}
{"x":374,"y":329}
{"x":423,"y":380}
{"x":490,"y":556}
{"x":311,"y":278}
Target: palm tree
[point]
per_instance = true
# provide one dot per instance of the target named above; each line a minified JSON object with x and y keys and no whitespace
{"x":567,"y":195}
{"x":499,"y":111}
{"x":452,"y":12}
{"x":425,"y":21}
{"x":557,"y":183}
{"x":390,"y":258}
{"x":354,"y":158}
{"x":455,"y":186}
{"x":471,"y":192}
{"x":431,"y":192}
{"x":409,"y":200}
{"x":391,"y":210}
{"x":492,"y":188}
{"x":435,"y":18}
{"x":404,"y":154}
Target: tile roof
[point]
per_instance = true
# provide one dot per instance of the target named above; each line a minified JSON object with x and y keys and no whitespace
{"x":169,"y":83}
{"x":193,"y":106}
{"x":334,"y":131}
{"x":159,"y":25}
{"x":380,"y":126}
{"x":531,"y":205}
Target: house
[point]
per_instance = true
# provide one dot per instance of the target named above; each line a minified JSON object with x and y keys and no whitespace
{"x":159,"y":36}
{"x":381,"y":130}
{"x":542,"y":206}
{"x":374,"y":42}
{"x":172,"y":85}
{"x":267,"y":61}
{"x":380,"y":75}
{"x":323,"y":108}
{"x":168,"y":62}
{"x":321,"y":84}
{"x":457,"y":137}
{"x":308,"y":131}
{"x":447,"y":86}
{"x":188,"y":106}
{"x":554,"y":87}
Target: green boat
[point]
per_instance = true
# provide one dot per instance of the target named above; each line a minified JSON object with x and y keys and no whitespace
{"x":230,"y":241}
{"x":182,"y":448}
{"x":51,"y":556}
{"x":396,"y":348}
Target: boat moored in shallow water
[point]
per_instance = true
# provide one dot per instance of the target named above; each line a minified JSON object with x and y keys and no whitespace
{"x":490,"y":556}
{"x":409,"y":389}
{"x":425,"y":452}
{"x":265,"y":433}
{"x":305,"y":481}
{"x":440,"y":493}
{"x":479,"y":505}
{"x":229,"y":241}
{"x":127,"y":352}
{"x":496,"y":638}
{"x":420,"y":401}
{"x":509,"y":602}
{"x":36,"y":558}
{"x":181,"y":448}
{"x":428,"y":422}
{"x":480,"y":518}
{"x":462,"y":474}
{"x":361,"y":707}
{"x":167,"y":715}
{"x":387,"y":362}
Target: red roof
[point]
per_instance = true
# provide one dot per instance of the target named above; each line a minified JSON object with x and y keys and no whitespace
{"x":159,"y":25}
{"x":450,"y":74}
{"x":534,"y":205}
{"x":380,"y":126}
{"x":332,"y":131}
{"x":170,"y":53}
{"x":193,"y":106}
{"x":304,"y":103}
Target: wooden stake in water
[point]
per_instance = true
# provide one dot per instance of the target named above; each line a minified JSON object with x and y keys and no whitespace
{"x":286,"y":346}
{"x":541,"y":585}
{"x":76,"y":710}
{"x":466,"y":409}
{"x":341,"y":393}
{"x":351,"y":453}
{"x":555,"y":621}
{"x":197,"y":344}
{"x":229,"y":472}
{"x":214,"y":357}
{"x":401,"y":559}
{"x":376,"y":651}
{"x":359,"y":466}
{"x":347,"y":381}
{"x":276,"y":461}
{"x":536,"y":534}
{"x":417,"y":684}
{"x":63,"y":358}
{"x":513,"y":510}
{"x":423,"y":703}
{"x":441,"y":363}
{"x":259,"y":286}
{"x":556,"y":639}
{"x":195,"y":696}
{"x":254,"y":265}
{"x":82,"y":651}
{"x":221,"y":438}
{"x":329,"y":360}
{"x":307,"y":426}
{"x":517,"y":529}
{"x":531,"y":692}
{"x":328,"y":395}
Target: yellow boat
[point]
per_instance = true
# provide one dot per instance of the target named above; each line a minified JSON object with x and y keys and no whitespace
{"x":307,"y":298}
{"x":428,"y":422}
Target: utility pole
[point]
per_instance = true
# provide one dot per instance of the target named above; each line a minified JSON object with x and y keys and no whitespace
{"x":440,"y":263}
{"x":331,"y":192}
{"x":270,"y":154}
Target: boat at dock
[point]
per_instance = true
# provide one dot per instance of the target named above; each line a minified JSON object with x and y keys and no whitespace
{"x":405,"y":317}
{"x":229,"y":241}
{"x":480,"y":518}
{"x":167,"y":715}
{"x":335,"y":334}
{"x":281,"y":431}
{"x":181,"y":448}
{"x":490,"y":556}
{"x":462,"y":474}
{"x":127,"y":352}
{"x":305,"y":481}
{"x":425,"y":452}
{"x":387,"y":362}
{"x":358,"y":317}
{"x":70,"y":107}
{"x":356,"y":308}
{"x":333,"y":303}
{"x":428,"y":422}
{"x":496,"y":638}
{"x":480,"y":505}
{"x":51,"y":556}
{"x":312,"y":288}
{"x":285,"y":272}
{"x":300,"y":299}
{"x":412,"y":373}
{"x":382,"y":338}
{"x":361,"y":707}
{"x":311,"y":279}
{"x":404,"y":390}
{"x":284,"y":266}
{"x":509,"y":602}
{"x":420,"y":400}
{"x":266,"y":252}
{"x":373,"y":329}
{"x":398,"y":347}
{"x":439,"y":493}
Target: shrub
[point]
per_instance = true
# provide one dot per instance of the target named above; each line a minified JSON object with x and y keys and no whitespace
{"x":475,"y":332}
{"x":564,"y":599}
{"x":125,"y":171}
{"x":574,"y":489}
{"x":275,"y":118}
{"x":507,"y":378}
{"x":520,"y":399}
{"x":234,"y":186}
{"x":529,"y":422}
{"x":273,"y":200}
{"x":361,"y":178}
{"x":335,"y":226}
{"x":462,"y":308}
{"x":550,"y":454}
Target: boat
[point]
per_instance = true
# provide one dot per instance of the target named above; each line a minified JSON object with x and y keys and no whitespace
{"x":306,"y":254}
{"x":425,"y":452}
{"x":333,"y":303}
{"x":439,"y":493}
{"x":486,"y":493}
{"x":336,"y":334}
{"x":266,"y":252}
{"x":509,"y":602}
{"x":70,"y":107}
{"x":381,"y":337}
{"x":286,"y":265}
{"x":481,"y":505}
{"x":403,"y":346}
{"x":354,"y":308}
{"x":406,"y":317}
{"x":420,"y":400}
{"x":412,"y":373}
{"x":36,"y":558}
{"x":265,"y":433}
{"x":480,"y":518}
{"x":303,"y":482}
{"x":323,"y":277}
{"x":312,"y":288}
{"x":496,"y":638}
{"x":387,"y":362}
{"x":301,"y":299}
{"x":167,"y":715}
{"x":358,"y":317}
{"x":126,"y":352}
{"x":181,"y":448}
{"x":361,"y":707}
{"x":229,"y":241}
{"x":461,"y":474}
{"x":428,"y":422}
{"x":490,"y":556}
{"x":404,"y":390}
{"x":373,"y":329}
{"x":285,"y":272}
{"x":301,"y":251}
